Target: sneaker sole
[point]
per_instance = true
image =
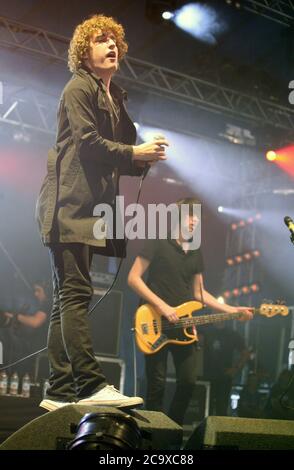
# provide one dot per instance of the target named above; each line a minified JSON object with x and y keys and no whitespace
{"x":127,"y":404}
{"x":50,"y":406}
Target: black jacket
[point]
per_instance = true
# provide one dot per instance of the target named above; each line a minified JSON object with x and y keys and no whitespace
{"x":92,"y":150}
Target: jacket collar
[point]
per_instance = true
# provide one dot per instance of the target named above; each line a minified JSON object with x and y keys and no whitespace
{"x":116,"y":90}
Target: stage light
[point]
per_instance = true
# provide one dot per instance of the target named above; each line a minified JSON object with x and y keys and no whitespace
{"x":254,"y":287}
{"x":271,"y":156}
{"x":241,"y":258}
{"x":234,"y":3}
{"x":247,"y":256}
{"x":156,"y":10}
{"x":234,"y":226}
{"x":221,"y":299}
{"x":220,"y":209}
{"x":167,"y":15}
{"x":106,"y":431}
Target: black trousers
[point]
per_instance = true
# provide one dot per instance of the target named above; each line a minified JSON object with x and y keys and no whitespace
{"x":220,"y":390}
{"x":74,"y":371}
{"x":184,"y":358}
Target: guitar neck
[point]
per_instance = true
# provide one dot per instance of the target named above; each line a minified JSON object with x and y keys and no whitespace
{"x":215,"y":317}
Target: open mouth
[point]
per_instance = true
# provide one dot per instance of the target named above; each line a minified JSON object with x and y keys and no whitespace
{"x":111,"y":55}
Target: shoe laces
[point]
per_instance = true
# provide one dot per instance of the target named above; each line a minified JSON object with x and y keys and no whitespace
{"x":113,"y":389}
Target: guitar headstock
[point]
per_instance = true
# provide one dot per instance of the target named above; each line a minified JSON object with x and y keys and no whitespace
{"x":271,"y":310}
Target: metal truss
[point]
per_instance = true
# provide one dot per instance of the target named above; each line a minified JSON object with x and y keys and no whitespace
{"x":144,"y":76}
{"x":280,"y":11}
{"x":28,"y":110}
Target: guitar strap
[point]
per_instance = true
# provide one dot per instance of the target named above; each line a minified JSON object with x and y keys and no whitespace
{"x":201,"y":295}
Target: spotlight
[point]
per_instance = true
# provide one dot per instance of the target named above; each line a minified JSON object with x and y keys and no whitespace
{"x":221,"y":299}
{"x":220,"y":209}
{"x":234,"y":226}
{"x":254,"y":287}
{"x":230,"y":262}
{"x":234,"y":3}
{"x":247,"y":256}
{"x":271,"y":156}
{"x":106,"y":431}
{"x":157,"y":10}
{"x":167,"y":15}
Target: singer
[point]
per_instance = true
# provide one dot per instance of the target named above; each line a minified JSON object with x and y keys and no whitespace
{"x":94,"y":146}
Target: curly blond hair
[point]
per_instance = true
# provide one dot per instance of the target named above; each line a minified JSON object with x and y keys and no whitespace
{"x":80,"y":41}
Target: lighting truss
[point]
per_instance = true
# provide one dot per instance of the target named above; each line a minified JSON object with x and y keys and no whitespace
{"x":28,"y":110}
{"x":142,"y":75}
{"x":280,"y":11}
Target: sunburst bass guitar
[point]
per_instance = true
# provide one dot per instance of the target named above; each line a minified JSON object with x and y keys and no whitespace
{"x":153,"y":331}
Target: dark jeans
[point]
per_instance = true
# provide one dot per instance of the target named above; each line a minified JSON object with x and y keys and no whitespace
{"x":184,"y":358}
{"x":74,"y":371}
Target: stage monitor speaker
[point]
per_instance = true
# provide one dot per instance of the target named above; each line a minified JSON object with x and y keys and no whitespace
{"x":222,"y":432}
{"x":105,"y":323}
{"x":54,"y":430}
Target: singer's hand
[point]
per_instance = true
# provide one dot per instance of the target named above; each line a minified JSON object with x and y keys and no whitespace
{"x":150,"y":151}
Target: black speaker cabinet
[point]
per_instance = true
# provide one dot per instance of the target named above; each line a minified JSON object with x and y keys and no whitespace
{"x":55,"y":429}
{"x":105,"y":323}
{"x":221,"y":432}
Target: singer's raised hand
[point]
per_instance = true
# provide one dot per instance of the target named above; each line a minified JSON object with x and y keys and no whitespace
{"x":152,"y":151}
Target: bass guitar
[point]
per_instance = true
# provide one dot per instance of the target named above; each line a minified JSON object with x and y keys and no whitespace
{"x":153,"y":331}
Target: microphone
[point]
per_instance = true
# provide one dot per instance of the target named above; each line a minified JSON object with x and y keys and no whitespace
{"x":147,"y":166}
{"x":290,"y":224}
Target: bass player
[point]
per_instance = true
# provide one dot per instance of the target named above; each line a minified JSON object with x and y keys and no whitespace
{"x":175,"y":277}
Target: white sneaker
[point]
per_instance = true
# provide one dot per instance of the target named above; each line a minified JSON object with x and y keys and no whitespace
{"x":52,"y":405}
{"x":110,"y":396}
